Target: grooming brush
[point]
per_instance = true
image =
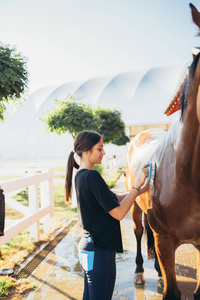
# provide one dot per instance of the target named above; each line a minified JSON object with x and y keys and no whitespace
{"x":149,"y":175}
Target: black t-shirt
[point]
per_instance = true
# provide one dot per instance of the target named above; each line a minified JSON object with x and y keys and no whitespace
{"x":94,"y":201}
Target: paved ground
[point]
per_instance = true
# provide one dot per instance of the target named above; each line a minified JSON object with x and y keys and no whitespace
{"x":60,"y":276}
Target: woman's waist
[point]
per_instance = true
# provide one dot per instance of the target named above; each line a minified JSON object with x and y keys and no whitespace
{"x":86,"y":243}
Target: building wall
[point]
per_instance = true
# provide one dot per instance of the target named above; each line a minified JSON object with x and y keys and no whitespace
{"x":134,"y":130}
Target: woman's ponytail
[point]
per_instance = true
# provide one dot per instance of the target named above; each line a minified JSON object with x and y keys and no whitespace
{"x":69,"y":171}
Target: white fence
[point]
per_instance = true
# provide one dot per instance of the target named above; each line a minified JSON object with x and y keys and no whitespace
{"x":111,"y":164}
{"x":42,"y":210}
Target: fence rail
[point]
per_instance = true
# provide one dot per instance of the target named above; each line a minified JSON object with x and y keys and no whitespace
{"x":38,"y":182}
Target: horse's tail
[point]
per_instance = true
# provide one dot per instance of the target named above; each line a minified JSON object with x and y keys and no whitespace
{"x":150,"y":239}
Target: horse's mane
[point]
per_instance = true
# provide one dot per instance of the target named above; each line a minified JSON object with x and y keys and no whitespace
{"x":187,"y":85}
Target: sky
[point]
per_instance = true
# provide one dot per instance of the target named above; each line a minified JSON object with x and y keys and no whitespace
{"x":73,"y":40}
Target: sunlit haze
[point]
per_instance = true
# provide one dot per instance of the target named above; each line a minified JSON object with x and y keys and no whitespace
{"x":66,"y":40}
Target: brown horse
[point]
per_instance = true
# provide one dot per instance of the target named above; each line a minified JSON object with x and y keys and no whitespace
{"x":142,"y":149}
{"x":172,"y":204}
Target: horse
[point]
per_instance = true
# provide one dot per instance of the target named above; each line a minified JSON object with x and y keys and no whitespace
{"x":172,"y":204}
{"x":142,"y":148}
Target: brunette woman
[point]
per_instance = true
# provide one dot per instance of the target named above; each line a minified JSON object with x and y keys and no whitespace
{"x":99,"y":211}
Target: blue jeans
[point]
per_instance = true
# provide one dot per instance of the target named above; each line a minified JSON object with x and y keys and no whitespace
{"x":99,"y":271}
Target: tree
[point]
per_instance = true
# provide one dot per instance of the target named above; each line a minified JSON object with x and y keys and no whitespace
{"x":73,"y":116}
{"x":122,"y":140}
{"x":13,"y":77}
{"x":111,"y":126}
{"x":70,"y":115}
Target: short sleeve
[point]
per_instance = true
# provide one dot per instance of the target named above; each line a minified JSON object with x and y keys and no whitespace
{"x":100,"y":191}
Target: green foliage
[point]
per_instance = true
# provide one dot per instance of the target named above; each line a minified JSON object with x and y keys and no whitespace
{"x":22,"y":197}
{"x":99,"y":168}
{"x":122,"y":171}
{"x":13,"y":77}
{"x":73,"y":116}
{"x":111,"y":126}
{"x":63,"y":210}
{"x":18,"y":242}
{"x":123,"y":139}
{"x":5,"y":284}
{"x":111,"y":179}
{"x":70,"y":115}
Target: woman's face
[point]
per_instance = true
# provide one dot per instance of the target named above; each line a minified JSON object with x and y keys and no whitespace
{"x":96,"y":153}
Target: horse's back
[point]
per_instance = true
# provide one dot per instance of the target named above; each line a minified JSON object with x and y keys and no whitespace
{"x":141,"y":150}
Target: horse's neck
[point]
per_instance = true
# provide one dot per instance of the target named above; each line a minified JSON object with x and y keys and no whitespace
{"x":188,"y":152}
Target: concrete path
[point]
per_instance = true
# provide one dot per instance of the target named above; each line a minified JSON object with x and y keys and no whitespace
{"x":60,"y":275}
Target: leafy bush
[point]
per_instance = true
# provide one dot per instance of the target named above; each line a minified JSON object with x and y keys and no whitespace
{"x":99,"y":168}
{"x":5,"y":284}
{"x":122,"y":171}
{"x":111,"y":179}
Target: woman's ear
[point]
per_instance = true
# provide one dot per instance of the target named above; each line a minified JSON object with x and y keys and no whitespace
{"x":85,"y":154}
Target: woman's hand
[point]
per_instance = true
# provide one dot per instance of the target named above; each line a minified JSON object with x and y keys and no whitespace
{"x":126,"y":202}
{"x":143,"y":174}
{"x":144,"y":188}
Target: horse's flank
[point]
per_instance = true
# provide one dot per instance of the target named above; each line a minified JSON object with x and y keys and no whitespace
{"x":149,"y":146}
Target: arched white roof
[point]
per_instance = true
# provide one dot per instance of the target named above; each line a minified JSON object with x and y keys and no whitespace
{"x":141,"y":96}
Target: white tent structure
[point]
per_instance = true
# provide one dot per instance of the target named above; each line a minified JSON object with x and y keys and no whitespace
{"x":141,"y":96}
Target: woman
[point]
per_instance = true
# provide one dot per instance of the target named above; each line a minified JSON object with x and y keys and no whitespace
{"x":99,"y":211}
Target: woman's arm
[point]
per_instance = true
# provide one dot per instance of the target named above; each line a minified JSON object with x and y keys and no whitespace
{"x":121,"y":196}
{"x":127,"y":200}
{"x":120,"y":211}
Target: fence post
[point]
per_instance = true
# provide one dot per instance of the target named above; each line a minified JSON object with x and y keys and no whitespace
{"x":33,"y":199}
{"x":46,"y":194}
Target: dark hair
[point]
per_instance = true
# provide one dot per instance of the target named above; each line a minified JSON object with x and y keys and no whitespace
{"x":84,"y":141}
{"x":188,"y":84}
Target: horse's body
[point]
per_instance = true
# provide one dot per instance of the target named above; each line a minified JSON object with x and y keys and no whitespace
{"x":150,"y":146}
{"x":174,"y":212}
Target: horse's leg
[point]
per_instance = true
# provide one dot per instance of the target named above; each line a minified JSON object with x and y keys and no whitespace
{"x":136,"y":214}
{"x":164,"y":246}
{"x":152,"y":252}
{"x":197,"y":290}
{"x":157,"y":267}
